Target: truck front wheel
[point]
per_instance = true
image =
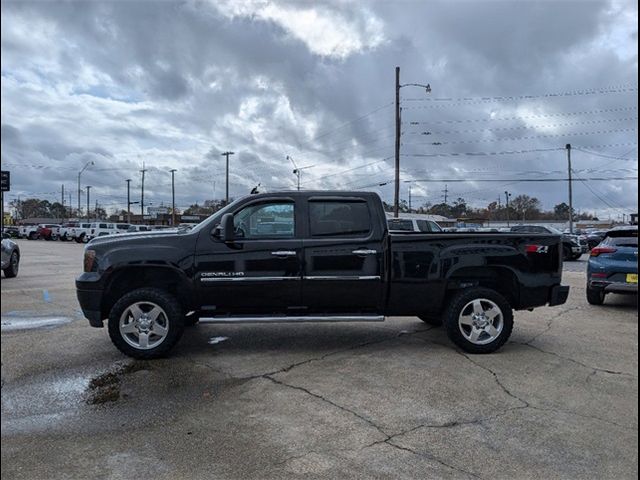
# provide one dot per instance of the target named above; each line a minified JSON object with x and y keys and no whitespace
{"x":479,"y":320}
{"x":146,"y":323}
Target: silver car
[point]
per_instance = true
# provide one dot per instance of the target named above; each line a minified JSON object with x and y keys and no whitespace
{"x":10,"y":257}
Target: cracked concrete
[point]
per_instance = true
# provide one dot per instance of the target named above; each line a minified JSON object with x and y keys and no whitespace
{"x":392,"y":400}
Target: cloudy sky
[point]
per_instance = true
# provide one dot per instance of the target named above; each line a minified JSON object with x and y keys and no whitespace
{"x":172,"y":84}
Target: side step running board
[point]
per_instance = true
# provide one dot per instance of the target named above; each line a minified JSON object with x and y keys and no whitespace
{"x":294,"y":319}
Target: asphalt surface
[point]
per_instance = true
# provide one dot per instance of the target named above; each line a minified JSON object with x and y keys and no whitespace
{"x":388,"y":400}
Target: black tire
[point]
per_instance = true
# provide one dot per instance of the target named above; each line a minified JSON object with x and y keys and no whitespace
{"x":14,"y":264}
{"x":566,"y":253}
{"x":595,"y":296}
{"x":576,"y":257}
{"x":33,"y":236}
{"x":435,"y":320}
{"x":80,"y":239}
{"x":459,"y":303}
{"x":174,"y":319}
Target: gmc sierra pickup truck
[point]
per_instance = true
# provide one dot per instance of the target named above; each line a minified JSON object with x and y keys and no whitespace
{"x":313,"y":257}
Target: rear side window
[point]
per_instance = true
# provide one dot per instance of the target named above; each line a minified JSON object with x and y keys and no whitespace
{"x":399,"y":224}
{"x":339,"y":218}
{"x":621,"y":241}
{"x":103,"y":225}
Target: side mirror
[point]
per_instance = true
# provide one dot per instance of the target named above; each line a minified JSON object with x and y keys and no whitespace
{"x":226,"y":228}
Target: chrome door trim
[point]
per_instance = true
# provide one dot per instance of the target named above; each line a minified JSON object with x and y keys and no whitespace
{"x":342,"y":277}
{"x":246,"y":279}
{"x":291,"y":319}
{"x":364,"y":251}
{"x":284,"y":253}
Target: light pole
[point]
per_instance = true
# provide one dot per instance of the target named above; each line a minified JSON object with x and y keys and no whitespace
{"x":173,"y":197}
{"x":226,"y":154}
{"x":128,"y":180}
{"x":88,"y":187}
{"x":427,"y":87}
{"x":79,"y":174}
{"x":507,"y":195}
{"x":142,"y":192}
{"x":297,"y":170}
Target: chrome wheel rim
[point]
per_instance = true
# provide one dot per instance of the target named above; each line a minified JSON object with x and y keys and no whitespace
{"x":144,"y":325}
{"x":481,"y":321}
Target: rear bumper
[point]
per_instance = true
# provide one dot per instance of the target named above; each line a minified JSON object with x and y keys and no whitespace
{"x":89,"y":293}
{"x":558,"y":295}
{"x":615,"y":287}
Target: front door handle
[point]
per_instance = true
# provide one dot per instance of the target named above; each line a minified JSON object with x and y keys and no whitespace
{"x":284,"y":253}
{"x":364,"y":251}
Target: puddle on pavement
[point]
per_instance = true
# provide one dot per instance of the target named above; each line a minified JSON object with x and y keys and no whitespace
{"x":215,"y":340}
{"x":105,"y":388}
{"x":15,"y":321}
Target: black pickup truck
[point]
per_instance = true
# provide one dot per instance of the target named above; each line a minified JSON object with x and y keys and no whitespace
{"x":313,"y":257}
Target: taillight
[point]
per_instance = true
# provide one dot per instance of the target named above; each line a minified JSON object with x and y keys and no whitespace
{"x":89,"y":260}
{"x":598,"y":275}
{"x":598,"y":250}
{"x":536,"y":249}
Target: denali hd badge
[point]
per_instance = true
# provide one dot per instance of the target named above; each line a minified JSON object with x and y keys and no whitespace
{"x":222,"y":274}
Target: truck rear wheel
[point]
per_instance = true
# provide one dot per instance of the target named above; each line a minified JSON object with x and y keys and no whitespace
{"x":479,"y":320}
{"x":146,"y":323}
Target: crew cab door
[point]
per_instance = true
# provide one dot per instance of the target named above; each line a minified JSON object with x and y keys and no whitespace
{"x":343,"y":257}
{"x":259,"y":272}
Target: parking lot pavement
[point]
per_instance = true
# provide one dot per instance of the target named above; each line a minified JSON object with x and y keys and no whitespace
{"x":323,"y":401}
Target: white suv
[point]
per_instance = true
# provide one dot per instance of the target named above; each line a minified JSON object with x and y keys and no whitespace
{"x":101,"y":229}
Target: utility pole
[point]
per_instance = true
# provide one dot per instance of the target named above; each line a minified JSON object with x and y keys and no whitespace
{"x":95,"y":211}
{"x":409,"y":197}
{"x":88,"y":187}
{"x":62,"y":196}
{"x":446,"y":193}
{"x":173,"y":198}
{"x":396,"y":196}
{"x":226,"y":154}
{"x":142,"y":191}
{"x":568,"y":146}
{"x":507,"y":195}
{"x":128,"y":200}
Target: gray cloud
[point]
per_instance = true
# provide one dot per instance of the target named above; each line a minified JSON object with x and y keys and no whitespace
{"x":167,"y":83}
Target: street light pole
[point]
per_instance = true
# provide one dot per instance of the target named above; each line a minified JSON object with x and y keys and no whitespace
{"x":88,"y":187}
{"x":128,"y":200}
{"x":142,"y":191}
{"x":427,"y":87}
{"x":507,"y":195}
{"x":226,"y":154}
{"x":173,"y":198}
{"x":79,"y":174}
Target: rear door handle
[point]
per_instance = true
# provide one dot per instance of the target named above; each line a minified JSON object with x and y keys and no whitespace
{"x":364,"y":251}
{"x":284,"y":253}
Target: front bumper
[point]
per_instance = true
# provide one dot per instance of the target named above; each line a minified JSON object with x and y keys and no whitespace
{"x":558,"y":295}
{"x":89,"y":293}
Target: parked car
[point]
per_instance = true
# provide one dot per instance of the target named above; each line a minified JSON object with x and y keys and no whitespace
{"x":64,"y":232}
{"x":613,"y":265}
{"x":336,"y":261}
{"x":571,"y":248}
{"x":80,"y":232}
{"x":28,"y":231}
{"x":122,"y":227}
{"x":100,"y":229}
{"x":48,"y":231}
{"x":412,"y":225}
{"x":594,"y":238}
{"x":138,"y":228}
{"x":10,"y":257}
{"x":11,"y":231}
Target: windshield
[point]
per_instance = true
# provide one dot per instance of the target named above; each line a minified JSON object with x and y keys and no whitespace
{"x":211,"y":221}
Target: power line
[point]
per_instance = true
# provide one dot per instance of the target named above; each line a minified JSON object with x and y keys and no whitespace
{"x":527,"y":117}
{"x":525,"y":127}
{"x":324,"y":134}
{"x":438,"y":102}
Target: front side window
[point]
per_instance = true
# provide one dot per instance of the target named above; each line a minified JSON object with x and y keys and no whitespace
{"x":265,"y":220}
{"x":339,"y":218}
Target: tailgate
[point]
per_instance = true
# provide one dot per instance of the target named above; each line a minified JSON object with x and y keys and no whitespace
{"x":543,"y":252}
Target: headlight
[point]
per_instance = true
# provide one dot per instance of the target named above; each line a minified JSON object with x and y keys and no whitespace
{"x":90,"y":264}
